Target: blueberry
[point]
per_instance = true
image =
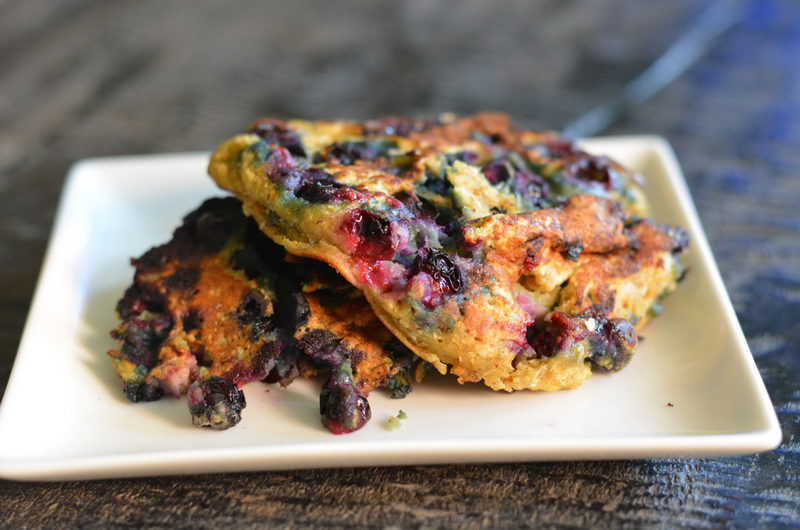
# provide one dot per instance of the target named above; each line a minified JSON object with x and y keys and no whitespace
{"x":613,"y":343}
{"x":516,"y":171}
{"x":680,"y":238}
{"x":533,"y":188}
{"x":348,"y":152}
{"x":592,"y":168}
{"x":142,"y":335}
{"x":275,"y":134}
{"x":288,"y":177}
{"x":216,"y":403}
{"x":370,"y":234}
{"x":254,"y":311}
{"x":549,"y":337}
{"x":445,"y":273}
{"x":418,"y":206}
{"x":318,"y":187}
{"x":573,"y":250}
{"x":341,"y":407}
{"x":497,"y":171}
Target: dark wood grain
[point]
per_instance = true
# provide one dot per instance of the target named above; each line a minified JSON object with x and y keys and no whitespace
{"x":82,"y":78}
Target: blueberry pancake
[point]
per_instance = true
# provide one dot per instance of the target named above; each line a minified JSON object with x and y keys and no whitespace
{"x":511,"y":256}
{"x":218,"y":307}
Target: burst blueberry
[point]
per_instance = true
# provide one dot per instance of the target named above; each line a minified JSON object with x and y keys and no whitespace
{"x":319,"y":187}
{"x":613,"y":344}
{"x":216,"y":403}
{"x":445,"y":273}
{"x":548,"y":337}
{"x":341,"y":407}
{"x":591,"y":168}
{"x":370,"y":235}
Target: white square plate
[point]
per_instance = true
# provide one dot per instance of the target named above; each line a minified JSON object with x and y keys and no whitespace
{"x":692,"y":389}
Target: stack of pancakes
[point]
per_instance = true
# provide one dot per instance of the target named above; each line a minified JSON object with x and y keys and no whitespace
{"x":366,"y":252}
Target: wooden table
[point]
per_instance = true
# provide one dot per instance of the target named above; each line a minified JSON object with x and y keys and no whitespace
{"x":82,"y":78}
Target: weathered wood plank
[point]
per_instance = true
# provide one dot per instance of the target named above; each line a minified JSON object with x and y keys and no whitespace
{"x":84,"y":78}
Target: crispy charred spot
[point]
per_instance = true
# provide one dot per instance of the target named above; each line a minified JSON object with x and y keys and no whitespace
{"x":139,"y":298}
{"x":533,"y":254}
{"x":445,"y":273}
{"x":184,"y":279}
{"x":370,"y":235}
{"x":216,"y":403}
{"x":322,"y":347}
{"x":142,"y":392}
{"x":154,"y":258}
{"x":205,"y":231}
{"x":277,"y":134}
{"x":252,"y":308}
{"x":253,"y":312}
{"x":193,"y":319}
{"x":342,"y":409}
{"x":356,"y":356}
{"x":264,"y":361}
{"x":166,"y":295}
